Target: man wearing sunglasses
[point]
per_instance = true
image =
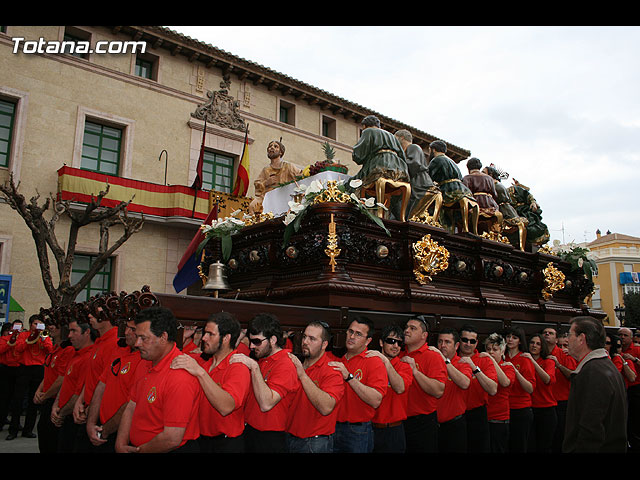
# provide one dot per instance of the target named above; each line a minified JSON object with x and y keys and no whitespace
{"x":484,"y":382}
{"x":274,"y":383}
{"x":366,"y":380}
{"x":429,"y":377}
{"x":388,"y":430}
{"x":312,"y":417}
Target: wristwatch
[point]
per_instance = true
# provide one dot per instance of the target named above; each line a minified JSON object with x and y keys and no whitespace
{"x":477,"y":371}
{"x":349,"y":377}
{"x":447,"y":361}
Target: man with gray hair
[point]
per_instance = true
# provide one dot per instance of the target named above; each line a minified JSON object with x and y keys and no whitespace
{"x":596,"y":412}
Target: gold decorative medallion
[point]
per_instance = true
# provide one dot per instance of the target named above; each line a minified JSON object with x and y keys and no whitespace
{"x":429,"y":258}
{"x":332,"y":250}
{"x":553,"y":281}
{"x":332,"y":194}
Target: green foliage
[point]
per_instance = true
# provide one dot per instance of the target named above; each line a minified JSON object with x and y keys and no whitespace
{"x":329,"y":152}
{"x":632,"y":309}
{"x":579,"y":260}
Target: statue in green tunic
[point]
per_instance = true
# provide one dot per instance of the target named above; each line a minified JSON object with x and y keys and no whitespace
{"x":527,"y":207}
{"x":381,"y":156}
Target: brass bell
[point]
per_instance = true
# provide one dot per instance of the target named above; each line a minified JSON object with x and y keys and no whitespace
{"x":217,"y":279}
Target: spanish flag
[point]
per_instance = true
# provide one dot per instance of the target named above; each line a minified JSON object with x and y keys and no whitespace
{"x":242,"y":175}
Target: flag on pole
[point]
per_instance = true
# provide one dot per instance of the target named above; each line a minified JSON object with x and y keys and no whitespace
{"x":242,"y":175}
{"x":188,"y":267}
{"x":197,"y":182}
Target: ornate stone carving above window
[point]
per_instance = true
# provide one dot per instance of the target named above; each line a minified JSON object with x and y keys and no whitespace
{"x":221,"y":109}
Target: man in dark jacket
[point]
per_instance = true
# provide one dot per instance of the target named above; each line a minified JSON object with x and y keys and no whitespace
{"x":596,"y":411}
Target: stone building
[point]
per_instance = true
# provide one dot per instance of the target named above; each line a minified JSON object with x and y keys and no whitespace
{"x":72,"y":118}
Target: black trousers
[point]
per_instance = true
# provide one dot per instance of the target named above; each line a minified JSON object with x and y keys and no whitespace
{"x":26,"y":384}
{"x":519,"y":429}
{"x":452,"y":435}
{"x":545,"y":421}
{"x":221,"y":444}
{"x":499,"y":435}
{"x":8,"y":378}
{"x":558,"y":436}
{"x":47,"y":431}
{"x":257,"y":441}
{"x":477,"y":430}
{"x":633,"y":418}
{"x":421,"y":433}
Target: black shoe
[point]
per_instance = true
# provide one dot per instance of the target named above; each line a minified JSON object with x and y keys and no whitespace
{"x":11,"y":436}
{"x":28,"y":435}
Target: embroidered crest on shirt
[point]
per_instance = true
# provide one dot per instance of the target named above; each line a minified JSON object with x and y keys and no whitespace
{"x":124,"y":370}
{"x":357,"y":374}
{"x":151,"y":396}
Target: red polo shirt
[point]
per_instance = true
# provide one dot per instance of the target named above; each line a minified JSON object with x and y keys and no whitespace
{"x":280,"y":375}
{"x":563,"y":384}
{"x":164,"y":397}
{"x":618,"y":361}
{"x":476,"y":395}
{"x":235,"y":379}
{"x":118,"y":378}
{"x":635,"y":351}
{"x":518,"y":398}
{"x":304,"y":419}
{"x":56,"y":365}
{"x":34,"y":352}
{"x":432,"y":365}
{"x":371,"y":372}
{"x":453,"y":401}
{"x":394,"y":406}
{"x":498,"y":406}
{"x":10,"y":357}
{"x":542,"y":396}
{"x":75,"y":374}
{"x":105,"y":348}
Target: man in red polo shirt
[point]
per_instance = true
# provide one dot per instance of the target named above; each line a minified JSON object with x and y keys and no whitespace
{"x":31,"y":347}
{"x":484,"y":383}
{"x":162,"y":414}
{"x":312,"y":417}
{"x":225,"y":385}
{"x":367,"y":381}
{"x":631,"y":353}
{"x":429,"y":377}
{"x":452,"y":405}
{"x":274,"y":382}
{"x":111,"y":395}
{"x":388,"y":430}
{"x":82,"y":336}
{"x":565,"y":365}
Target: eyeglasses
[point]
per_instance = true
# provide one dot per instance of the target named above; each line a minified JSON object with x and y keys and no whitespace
{"x":256,"y":341}
{"x":354,"y":333}
{"x":393,"y":341}
{"x":472,"y":341}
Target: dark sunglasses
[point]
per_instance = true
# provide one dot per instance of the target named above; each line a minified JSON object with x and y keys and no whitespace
{"x":472,"y":341}
{"x":256,"y":341}
{"x":394,"y":341}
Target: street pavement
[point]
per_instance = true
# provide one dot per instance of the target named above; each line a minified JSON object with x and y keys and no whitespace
{"x":19,"y":444}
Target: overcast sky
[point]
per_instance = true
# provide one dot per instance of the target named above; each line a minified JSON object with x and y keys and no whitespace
{"x":556,"y":107}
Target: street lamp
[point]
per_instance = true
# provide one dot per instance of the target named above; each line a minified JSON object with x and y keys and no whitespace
{"x":620,"y":313}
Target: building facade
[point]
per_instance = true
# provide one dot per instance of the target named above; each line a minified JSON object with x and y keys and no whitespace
{"x":618,"y":259}
{"x":73,"y":118}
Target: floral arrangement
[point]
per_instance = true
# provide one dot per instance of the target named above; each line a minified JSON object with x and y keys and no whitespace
{"x":579,"y":258}
{"x":316,"y":192}
{"x":223,"y":228}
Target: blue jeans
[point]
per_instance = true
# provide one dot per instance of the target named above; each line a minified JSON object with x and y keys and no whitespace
{"x":353,"y":438}
{"x":318,"y":444}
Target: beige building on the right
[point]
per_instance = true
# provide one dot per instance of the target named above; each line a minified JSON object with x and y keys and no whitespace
{"x":618,"y":259}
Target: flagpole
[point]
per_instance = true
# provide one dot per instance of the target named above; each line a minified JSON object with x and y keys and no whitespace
{"x":197,"y":182}
{"x":244,"y":146}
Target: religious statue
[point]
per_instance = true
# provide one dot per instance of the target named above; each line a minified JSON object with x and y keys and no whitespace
{"x":513,"y":225}
{"x":384,"y":166}
{"x":526,"y":206}
{"x":424,"y":192}
{"x":484,"y":191}
{"x":274,"y":174}
{"x":455,"y":194}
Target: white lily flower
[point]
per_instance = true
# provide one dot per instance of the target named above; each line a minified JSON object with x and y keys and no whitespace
{"x":288,"y":218}
{"x":355,"y":183}
{"x":355,"y":198}
{"x":370,"y":202}
{"x":295,"y":207}
{"x":314,"y":187}
{"x":381,"y":205}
